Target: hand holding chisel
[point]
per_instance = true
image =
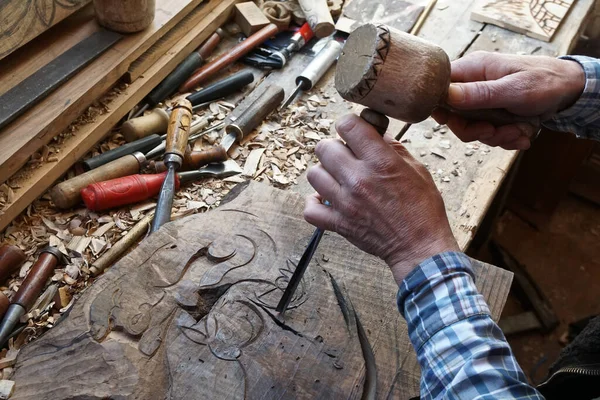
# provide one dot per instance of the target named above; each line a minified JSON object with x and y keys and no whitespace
{"x":177,"y":138}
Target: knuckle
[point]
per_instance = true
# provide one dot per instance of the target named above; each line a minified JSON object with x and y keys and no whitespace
{"x":357,"y":185}
{"x":482,"y":92}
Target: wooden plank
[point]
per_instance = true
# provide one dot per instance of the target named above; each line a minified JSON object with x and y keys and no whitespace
{"x":538,"y":19}
{"x":33,"y":183}
{"x":39,"y":125}
{"x":493,"y":38}
{"x":191,"y":310}
{"x":150,"y":56}
{"x":21,"y":21}
{"x":45,"y":48}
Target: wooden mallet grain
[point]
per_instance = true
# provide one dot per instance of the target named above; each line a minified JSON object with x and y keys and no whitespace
{"x":402,"y":76}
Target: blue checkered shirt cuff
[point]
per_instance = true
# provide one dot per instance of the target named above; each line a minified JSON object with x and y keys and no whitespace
{"x":583,"y":117}
{"x":438,"y":293}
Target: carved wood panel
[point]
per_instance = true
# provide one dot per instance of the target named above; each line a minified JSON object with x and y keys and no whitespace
{"x":190,"y":314}
{"x":536,"y":18}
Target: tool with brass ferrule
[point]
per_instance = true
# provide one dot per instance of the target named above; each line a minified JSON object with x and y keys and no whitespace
{"x":379,"y":122}
{"x":249,"y":119}
{"x":177,"y":138}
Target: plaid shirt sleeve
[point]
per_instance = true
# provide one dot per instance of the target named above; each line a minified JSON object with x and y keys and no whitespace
{"x":462,"y":352}
{"x":583,"y":117}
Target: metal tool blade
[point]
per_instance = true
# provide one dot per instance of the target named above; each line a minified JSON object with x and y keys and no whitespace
{"x":228,"y":141}
{"x":217,"y":170}
{"x":288,"y":294}
{"x":291,"y":97}
{"x":165,"y":200}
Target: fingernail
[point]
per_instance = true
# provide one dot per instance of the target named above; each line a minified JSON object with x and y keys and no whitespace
{"x":456,"y":94}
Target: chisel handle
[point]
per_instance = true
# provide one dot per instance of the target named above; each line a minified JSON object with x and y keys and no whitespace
{"x":196,"y":159}
{"x":237,"y":52}
{"x":319,"y":65}
{"x":37,"y":277}
{"x":171,"y":83}
{"x":67,"y":194}
{"x":155,"y":122}
{"x":179,"y":127}
{"x":11,"y":259}
{"x":256,"y":112}
{"x":222,"y":88}
{"x":142,"y":145}
{"x":122,"y":191}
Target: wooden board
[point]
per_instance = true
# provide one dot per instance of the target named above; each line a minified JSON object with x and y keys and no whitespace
{"x":539,"y":19}
{"x":23,"y":20}
{"x":33,"y":183}
{"x":36,"y":127}
{"x":191,"y":312}
{"x":401,"y":15}
{"x":164,"y":44}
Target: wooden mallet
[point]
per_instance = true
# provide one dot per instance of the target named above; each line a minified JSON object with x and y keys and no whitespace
{"x":402,"y":76}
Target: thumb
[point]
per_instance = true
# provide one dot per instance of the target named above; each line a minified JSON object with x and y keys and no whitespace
{"x":483,"y":94}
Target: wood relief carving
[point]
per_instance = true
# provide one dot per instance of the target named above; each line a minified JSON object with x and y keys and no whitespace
{"x":190,"y":314}
{"x":23,"y":20}
{"x":536,"y":18}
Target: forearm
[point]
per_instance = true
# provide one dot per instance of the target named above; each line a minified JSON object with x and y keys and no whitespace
{"x":583,"y":117}
{"x":461,"y":350}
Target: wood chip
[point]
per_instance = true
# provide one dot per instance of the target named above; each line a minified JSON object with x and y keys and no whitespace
{"x":63,"y":298}
{"x":469,"y":153}
{"x":444,"y":144}
{"x":79,"y":243}
{"x":9,"y":359}
{"x":6,"y":388}
{"x":438,"y":153}
{"x":103,"y":229}
{"x":427,"y":135}
{"x":97,"y":245}
{"x":252,"y":162}
{"x":312,"y":135}
{"x":50,"y":225}
{"x":196,"y":205}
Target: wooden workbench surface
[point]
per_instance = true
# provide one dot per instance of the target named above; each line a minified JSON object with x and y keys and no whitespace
{"x":469,"y":182}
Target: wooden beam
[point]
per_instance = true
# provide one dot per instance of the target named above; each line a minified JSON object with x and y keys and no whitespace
{"x":33,"y":183}
{"x":36,"y":127}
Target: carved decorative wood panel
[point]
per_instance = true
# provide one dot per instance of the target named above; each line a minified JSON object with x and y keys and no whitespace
{"x":190,"y":314}
{"x":536,"y":18}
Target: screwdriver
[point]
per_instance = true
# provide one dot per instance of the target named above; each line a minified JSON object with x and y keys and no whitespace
{"x":30,"y":289}
{"x":177,"y":138}
{"x":135,"y":188}
{"x":315,"y":70}
{"x":171,"y":83}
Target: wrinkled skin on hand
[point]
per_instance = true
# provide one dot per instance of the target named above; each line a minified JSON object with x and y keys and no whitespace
{"x":382,"y":200}
{"x":529,"y":86}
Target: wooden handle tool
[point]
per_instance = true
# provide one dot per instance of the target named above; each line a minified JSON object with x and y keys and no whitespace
{"x":196,"y":159}
{"x":30,"y":289}
{"x":155,"y":122}
{"x":11,"y":259}
{"x":402,"y":76}
{"x":256,"y":112}
{"x":67,"y":194}
{"x":176,"y":143}
{"x":237,"y":52}
{"x":179,"y":127}
{"x":318,"y":17}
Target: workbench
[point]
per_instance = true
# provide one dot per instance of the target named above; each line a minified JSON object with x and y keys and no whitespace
{"x":130,"y":333}
{"x":469,"y":183}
